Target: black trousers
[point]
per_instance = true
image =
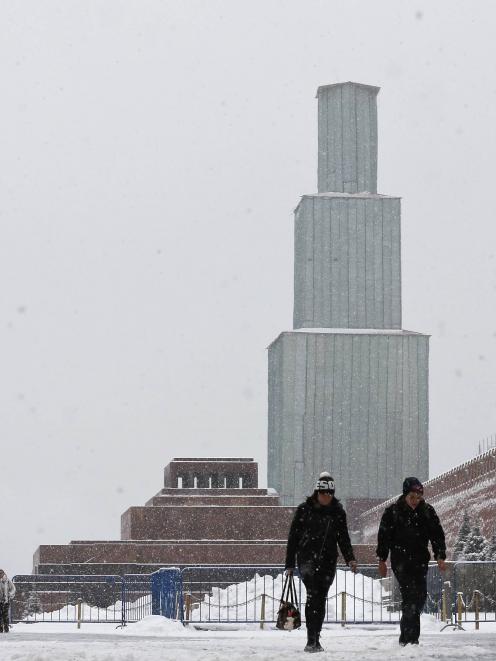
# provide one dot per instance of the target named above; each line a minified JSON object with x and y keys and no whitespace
{"x":412,"y":578}
{"x":4,"y":617}
{"x":317,"y":581}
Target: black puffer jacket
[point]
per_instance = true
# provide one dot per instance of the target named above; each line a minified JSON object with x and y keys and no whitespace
{"x":315,"y":533}
{"x":406,"y":532}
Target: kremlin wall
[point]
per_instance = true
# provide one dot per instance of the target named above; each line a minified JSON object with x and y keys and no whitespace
{"x":470,"y":486}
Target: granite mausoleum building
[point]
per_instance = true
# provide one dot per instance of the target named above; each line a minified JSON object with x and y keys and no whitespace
{"x":210,"y":511}
{"x":348,"y":387}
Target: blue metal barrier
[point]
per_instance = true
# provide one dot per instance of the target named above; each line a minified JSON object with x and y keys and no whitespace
{"x":167,"y":593}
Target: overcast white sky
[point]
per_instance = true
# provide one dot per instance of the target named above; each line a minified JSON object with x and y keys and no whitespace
{"x":151,"y":155}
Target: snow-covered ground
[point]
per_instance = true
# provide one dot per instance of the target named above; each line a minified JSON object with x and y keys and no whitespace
{"x":157,"y":639}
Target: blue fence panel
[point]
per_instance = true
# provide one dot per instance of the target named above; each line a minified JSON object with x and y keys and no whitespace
{"x":167,"y":593}
{"x":159,"y":593}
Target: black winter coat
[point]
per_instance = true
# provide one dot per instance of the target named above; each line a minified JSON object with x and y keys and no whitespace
{"x":406,"y":532}
{"x":315,"y":533}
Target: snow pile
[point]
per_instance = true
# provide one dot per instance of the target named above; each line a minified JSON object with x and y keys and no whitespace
{"x":156,"y":625}
{"x":366,"y":599}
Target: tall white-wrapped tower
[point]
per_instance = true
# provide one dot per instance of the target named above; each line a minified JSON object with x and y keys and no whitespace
{"x":348,"y":389}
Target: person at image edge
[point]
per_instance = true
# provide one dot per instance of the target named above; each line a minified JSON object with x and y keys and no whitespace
{"x":7,"y":593}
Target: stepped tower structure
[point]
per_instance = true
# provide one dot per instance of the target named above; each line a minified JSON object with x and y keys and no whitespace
{"x":348,"y":388}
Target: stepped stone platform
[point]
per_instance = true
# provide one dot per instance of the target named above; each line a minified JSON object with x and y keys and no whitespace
{"x":209,"y":512}
{"x":202,"y":522}
{"x":122,"y":557}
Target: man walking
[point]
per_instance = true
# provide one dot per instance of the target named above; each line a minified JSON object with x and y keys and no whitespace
{"x":405,"y":530}
{"x":318,"y":527}
{"x":7,"y":592}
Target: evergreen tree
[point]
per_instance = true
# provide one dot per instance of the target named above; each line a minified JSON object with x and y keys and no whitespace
{"x":463,"y":534}
{"x":491,"y":548}
{"x":33,"y":605}
{"x":475,"y":547}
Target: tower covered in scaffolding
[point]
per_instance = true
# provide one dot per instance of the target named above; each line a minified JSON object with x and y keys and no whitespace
{"x":348,"y":387}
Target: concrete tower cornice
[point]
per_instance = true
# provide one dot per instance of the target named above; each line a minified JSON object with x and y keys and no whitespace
{"x":372,"y":88}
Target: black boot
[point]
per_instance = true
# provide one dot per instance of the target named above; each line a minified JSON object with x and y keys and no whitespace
{"x":311,"y":640}
{"x":313,"y":644}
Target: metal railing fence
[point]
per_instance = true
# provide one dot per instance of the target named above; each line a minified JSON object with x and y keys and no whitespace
{"x":51,"y":598}
{"x":251,"y":594}
{"x":84,"y":599}
{"x":242,"y":594}
{"x":470,"y":595}
{"x":136,"y":597}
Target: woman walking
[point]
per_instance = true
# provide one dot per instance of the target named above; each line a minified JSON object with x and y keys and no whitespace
{"x":318,"y":528}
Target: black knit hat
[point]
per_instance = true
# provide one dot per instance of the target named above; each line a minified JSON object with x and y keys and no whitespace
{"x":325,"y":483}
{"x":412,"y":484}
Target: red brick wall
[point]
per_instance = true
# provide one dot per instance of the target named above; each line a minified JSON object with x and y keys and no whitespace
{"x":215,"y":522}
{"x":187,"y":501}
{"x":470,"y":486}
{"x":220,"y":472}
{"x":173,"y":553}
{"x":355,"y":507}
